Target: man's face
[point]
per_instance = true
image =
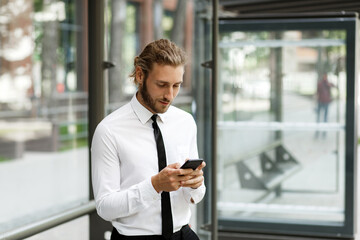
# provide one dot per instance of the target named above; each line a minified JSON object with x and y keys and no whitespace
{"x":160,"y":88}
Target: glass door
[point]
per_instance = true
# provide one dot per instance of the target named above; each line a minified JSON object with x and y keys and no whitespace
{"x":286,"y":136}
{"x":43,"y":115}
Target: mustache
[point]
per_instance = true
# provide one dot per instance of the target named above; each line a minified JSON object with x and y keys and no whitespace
{"x":165,"y":100}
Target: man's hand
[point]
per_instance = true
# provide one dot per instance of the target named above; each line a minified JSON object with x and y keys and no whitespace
{"x":170,"y":178}
{"x":196,"y":177}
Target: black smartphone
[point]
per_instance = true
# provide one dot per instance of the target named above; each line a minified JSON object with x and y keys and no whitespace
{"x":192,"y":163}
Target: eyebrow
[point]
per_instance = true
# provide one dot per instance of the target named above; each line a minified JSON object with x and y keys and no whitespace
{"x":166,"y":82}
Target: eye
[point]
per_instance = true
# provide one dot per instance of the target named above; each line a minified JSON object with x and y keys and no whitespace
{"x":161,"y":85}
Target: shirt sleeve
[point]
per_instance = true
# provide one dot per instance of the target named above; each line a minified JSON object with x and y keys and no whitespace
{"x":189,"y":193}
{"x":111,"y":201}
{"x":195,"y":194}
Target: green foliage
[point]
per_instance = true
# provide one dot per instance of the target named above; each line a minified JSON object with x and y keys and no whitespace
{"x":39,"y":34}
{"x":66,"y":37}
{"x":167,"y":23}
{"x":130,"y":23}
{"x":74,"y":143}
{"x":38,"y":5}
{"x":79,"y":128}
{"x":185,"y":107}
{"x":3,"y":159}
{"x":129,"y":38}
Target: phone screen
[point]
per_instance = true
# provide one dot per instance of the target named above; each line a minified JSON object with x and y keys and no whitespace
{"x":192,"y":163}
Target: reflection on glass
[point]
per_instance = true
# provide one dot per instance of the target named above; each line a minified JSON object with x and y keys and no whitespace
{"x":281,"y":126}
{"x":76,"y":229}
{"x":130,"y":26}
{"x":43,"y":110}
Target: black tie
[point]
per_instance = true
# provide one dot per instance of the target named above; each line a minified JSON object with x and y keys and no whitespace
{"x":167,"y":222}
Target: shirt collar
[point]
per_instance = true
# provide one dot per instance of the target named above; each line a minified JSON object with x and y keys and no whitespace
{"x":142,"y":112}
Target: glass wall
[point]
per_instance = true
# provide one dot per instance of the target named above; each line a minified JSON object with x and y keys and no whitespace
{"x":43,"y":109}
{"x":285,"y":116}
{"x":77,"y":229}
{"x":130,"y":25}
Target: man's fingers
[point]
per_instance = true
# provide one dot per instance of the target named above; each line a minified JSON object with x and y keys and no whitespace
{"x":174,"y":171}
{"x":202,"y":165}
{"x":174,"y":165}
{"x":196,"y":173}
{"x":194,"y":182}
{"x":181,"y":172}
{"x":183,"y":178}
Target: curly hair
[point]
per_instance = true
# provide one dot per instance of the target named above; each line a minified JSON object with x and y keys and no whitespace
{"x":162,"y":52}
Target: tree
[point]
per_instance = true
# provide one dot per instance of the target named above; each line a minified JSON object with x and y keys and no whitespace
{"x":116,"y":75}
{"x":177,"y":34}
{"x":158,"y":15}
{"x":49,"y":57}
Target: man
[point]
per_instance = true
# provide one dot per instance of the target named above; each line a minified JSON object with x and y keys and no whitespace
{"x":324,"y":99}
{"x":130,"y":191}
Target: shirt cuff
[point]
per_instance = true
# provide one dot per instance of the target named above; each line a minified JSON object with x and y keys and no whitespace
{"x":148,"y":192}
{"x":195,"y":194}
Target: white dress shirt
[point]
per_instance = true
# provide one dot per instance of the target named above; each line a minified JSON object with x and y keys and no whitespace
{"x":124,"y":157}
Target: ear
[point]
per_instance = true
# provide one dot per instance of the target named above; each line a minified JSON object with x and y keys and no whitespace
{"x":139,"y":75}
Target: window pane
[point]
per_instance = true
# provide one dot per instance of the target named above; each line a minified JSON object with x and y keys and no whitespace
{"x":43,"y":110}
{"x":130,"y":26}
{"x":282,"y":102}
{"x":76,"y":229}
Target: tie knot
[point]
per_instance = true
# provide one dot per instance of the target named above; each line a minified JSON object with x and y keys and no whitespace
{"x":153,"y":117}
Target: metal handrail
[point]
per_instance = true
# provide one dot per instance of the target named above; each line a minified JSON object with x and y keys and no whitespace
{"x":48,"y":223}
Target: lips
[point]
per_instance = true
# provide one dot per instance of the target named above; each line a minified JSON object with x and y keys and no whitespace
{"x":164,"y":103}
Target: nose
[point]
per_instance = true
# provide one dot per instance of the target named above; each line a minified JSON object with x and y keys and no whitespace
{"x":169,"y":94}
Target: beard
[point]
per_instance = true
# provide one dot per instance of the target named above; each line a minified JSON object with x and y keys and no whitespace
{"x":149,"y":102}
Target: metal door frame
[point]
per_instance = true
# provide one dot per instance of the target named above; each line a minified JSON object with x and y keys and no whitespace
{"x":328,"y":21}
